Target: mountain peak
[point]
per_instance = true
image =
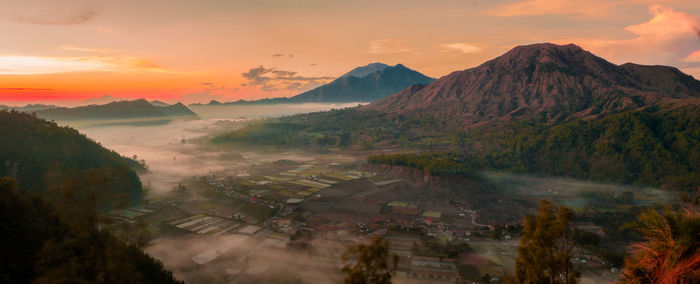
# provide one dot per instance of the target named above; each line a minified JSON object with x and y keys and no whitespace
{"x":547,"y":82}
{"x":363,"y":71}
{"x":367,"y":83}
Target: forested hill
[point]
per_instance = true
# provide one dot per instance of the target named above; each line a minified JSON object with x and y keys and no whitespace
{"x":45,"y":242}
{"x":42,"y":156}
{"x":655,"y":147}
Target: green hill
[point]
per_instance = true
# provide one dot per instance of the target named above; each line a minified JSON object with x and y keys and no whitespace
{"x":42,"y":156}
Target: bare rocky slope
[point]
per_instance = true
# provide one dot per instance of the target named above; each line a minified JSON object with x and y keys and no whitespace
{"x":546,"y":82}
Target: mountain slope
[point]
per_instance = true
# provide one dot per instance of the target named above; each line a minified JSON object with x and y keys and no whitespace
{"x":547,"y":82}
{"x":368,"y":88}
{"x":177,"y":110}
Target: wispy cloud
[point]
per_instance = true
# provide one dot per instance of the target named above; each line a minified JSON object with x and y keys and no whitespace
{"x":463,"y":47}
{"x":84,"y":49}
{"x":24,"y":89}
{"x":272,"y":79}
{"x":588,"y":9}
{"x":54,"y":13}
{"x":670,"y":37}
{"x":693,"y":57}
{"x":29,"y":65}
{"x":384,"y":46}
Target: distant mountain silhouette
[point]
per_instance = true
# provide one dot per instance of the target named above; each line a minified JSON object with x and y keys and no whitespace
{"x":29,"y":107}
{"x":377,"y":85}
{"x":159,"y":103}
{"x":546,"y":82}
{"x":367,"y":83}
{"x":122,"y":110}
{"x":101,"y":100}
{"x":363,"y":71}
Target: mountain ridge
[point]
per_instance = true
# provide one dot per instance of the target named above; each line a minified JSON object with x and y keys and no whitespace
{"x":548,"y":82}
{"x":120,"y":110}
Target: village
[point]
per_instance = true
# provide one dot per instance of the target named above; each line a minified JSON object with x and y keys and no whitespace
{"x":330,"y":203}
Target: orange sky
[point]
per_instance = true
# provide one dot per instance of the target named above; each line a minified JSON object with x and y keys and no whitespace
{"x":70,"y":51}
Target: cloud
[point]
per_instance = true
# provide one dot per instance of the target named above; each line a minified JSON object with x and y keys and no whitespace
{"x":24,"y":89}
{"x":30,"y":65}
{"x":460,"y":46}
{"x":670,"y":38}
{"x":693,"y":57}
{"x":54,"y":13}
{"x":282,"y":55}
{"x":588,"y":9}
{"x":272,"y":80}
{"x":385,"y":46}
{"x":84,"y":49}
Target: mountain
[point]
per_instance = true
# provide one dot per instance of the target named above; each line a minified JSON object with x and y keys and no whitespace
{"x":136,"y":111}
{"x":546,"y":82}
{"x":29,"y":107}
{"x":54,"y":182}
{"x":177,"y":110}
{"x":159,"y":103}
{"x":363,"y":71}
{"x":368,"y":88}
{"x":367,"y":83}
{"x":101,"y":100}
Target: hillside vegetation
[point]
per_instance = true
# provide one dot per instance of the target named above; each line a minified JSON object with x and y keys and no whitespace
{"x":652,"y":147}
{"x":43,"y":243}
{"x":41,"y":156}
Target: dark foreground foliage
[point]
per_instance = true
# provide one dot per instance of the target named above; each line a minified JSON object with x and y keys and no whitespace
{"x":43,"y":243}
{"x":670,"y":252}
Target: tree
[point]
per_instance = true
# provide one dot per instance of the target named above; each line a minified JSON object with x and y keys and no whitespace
{"x":546,"y":248}
{"x":42,"y":243}
{"x":371,"y":263}
{"x":669,"y":252}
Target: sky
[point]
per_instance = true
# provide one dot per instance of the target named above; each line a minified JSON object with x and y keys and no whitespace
{"x":70,"y":52}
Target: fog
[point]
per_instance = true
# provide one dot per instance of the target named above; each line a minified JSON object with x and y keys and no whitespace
{"x":180,"y":150}
{"x":260,"y":111}
{"x":266,"y":261}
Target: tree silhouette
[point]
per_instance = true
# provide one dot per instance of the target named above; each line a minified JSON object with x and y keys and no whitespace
{"x":546,"y":248}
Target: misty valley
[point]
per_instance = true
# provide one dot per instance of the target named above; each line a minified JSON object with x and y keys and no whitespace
{"x":547,"y":164}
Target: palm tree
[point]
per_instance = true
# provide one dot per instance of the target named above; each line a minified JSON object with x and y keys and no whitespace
{"x":669,"y":252}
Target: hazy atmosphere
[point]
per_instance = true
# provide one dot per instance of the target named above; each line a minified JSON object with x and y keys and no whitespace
{"x":332,"y":141}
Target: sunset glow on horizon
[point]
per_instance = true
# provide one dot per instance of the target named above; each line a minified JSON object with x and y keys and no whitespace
{"x":71,"y":52}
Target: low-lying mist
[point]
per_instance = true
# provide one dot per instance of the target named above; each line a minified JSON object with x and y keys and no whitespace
{"x":239,"y":255}
{"x":260,"y":111}
{"x":179,"y":150}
